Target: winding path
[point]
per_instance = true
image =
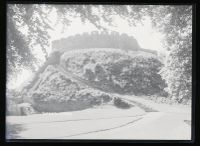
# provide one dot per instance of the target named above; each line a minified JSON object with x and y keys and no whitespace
{"x":157,"y":122}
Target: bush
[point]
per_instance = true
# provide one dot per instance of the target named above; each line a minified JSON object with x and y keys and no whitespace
{"x":14,"y":108}
{"x":83,"y":99}
{"x":58,"y":93}
{"x":26,"y":109}
{"x":121,"y":104}
{"x":117,"y":71}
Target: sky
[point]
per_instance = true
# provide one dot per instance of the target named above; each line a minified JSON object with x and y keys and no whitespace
{"x":146,"y":36}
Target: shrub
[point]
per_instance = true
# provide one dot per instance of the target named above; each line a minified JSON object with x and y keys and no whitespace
{"x":117,"y":71}
{"x":58,"y":93}
{"x":83,"y":99}
{"x":26,"y":109}
{"x":121,"y":104}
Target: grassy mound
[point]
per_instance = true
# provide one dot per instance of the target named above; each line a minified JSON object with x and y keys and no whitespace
{"x":58,"y":93}
{"x":115,"y":70}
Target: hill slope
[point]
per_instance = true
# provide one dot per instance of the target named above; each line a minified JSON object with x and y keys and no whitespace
{"x":85,"y":78}
{"x":57,"y":92}
{"x":116,"y":70}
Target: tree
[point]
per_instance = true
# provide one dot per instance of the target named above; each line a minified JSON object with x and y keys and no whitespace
{"x":176,"y":23}
{"x":18,"y":53}
{"x":25,"y":29}
{"x":35,"y":19}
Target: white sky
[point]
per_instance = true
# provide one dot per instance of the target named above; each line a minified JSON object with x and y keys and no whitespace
{"x":144,"y":34}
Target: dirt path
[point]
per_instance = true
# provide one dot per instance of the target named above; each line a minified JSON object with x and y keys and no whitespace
{"x":169,"y":122}
{"x":153,"y":126}
{"x":63,"y":126}
{"x":161,"y":121}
